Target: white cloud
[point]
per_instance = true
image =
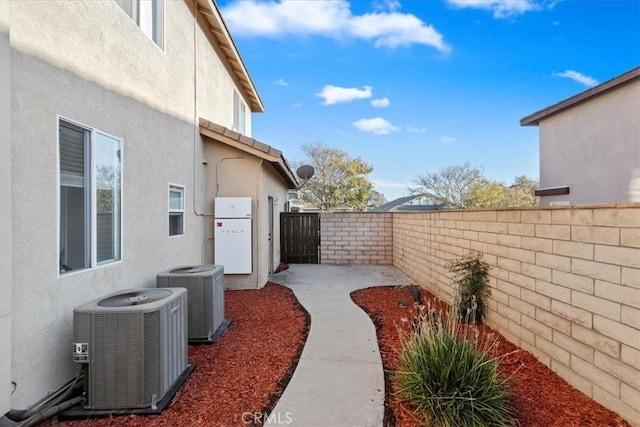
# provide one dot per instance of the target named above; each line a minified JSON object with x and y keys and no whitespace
{"x":390,"y":5}
{"x":331,"y":18}
{"x":578,"y":77}
{"x":447,"y":139}
{"x":381,"y":183}
{"x":395,"y":29}
{"x":381,"y":102}
{"x":280,"y":82}
{"x":411,"y":129}
{"x":336,"y":94}
{"x":377,"y":126}
{"x":500,"y":8}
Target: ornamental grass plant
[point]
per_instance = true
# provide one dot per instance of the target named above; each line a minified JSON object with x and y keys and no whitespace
{"x":447,"y":375}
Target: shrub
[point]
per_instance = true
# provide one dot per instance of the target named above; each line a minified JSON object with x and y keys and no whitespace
{"x":448,"y":379}
{"x":471,"y":279}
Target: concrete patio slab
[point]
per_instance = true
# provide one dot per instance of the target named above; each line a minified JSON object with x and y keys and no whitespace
{"x":339,"y":380}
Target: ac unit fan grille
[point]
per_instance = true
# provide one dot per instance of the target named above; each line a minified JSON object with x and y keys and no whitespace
{"x":128,"y":299}
{"x":114,"y":366}
{"x":193,"y":270}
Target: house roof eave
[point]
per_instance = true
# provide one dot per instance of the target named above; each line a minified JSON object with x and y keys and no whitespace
{"x":250,"y":146}
{"x":535,"y":118}
{"x":218,"y":29}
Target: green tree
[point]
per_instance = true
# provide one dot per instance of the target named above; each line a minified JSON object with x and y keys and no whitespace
{"x":338,"y":179}
{"x":487,"y":194}
{"x":358,"y":193}
{"x":451,"y":186}
{"x":377,"y":199}
{"x":493,"y":194}
{"x":522,"y":192}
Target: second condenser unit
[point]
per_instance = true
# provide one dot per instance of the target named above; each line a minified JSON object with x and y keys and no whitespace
{"x":205,"y":297}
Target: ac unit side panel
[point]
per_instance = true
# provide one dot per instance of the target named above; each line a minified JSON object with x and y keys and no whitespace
{"x":196,"y":303}
{"x":207,"y":320}
{"x":218,"y":300}
{"x":174,"y":343}
{"x":163,"y":281}
{"x":203,"y":299}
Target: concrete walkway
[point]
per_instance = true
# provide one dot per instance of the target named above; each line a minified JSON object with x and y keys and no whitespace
{"x":339,"y":380}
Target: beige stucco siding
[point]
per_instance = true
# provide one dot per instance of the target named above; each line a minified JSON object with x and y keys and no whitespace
{"x":274,"y":187}
{"x":157,"y":150}
{"x":234,"y":173}
{"x":5,"y":211}
{"x":93,"y":65}
{"x":593,"y":147}
{"x":97,"y":41}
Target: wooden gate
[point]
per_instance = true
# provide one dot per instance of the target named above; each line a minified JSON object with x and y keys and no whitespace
{"x":300,"y":238}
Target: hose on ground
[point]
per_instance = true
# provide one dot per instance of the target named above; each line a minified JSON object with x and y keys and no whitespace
{"x":59,"y":395}
{"x":44,"y":415}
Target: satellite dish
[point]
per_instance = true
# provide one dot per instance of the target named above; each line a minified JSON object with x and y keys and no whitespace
{"x":305,"y":172}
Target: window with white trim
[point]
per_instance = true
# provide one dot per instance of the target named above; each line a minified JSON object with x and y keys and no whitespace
{"x":239,"y":113}
{"x":90,"y":195}
{"x":176,"y":210}
{"x":148,"y":15}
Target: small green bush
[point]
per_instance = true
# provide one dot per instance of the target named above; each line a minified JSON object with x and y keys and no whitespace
{"x":471,"y":279}
{"x":449,"y":380}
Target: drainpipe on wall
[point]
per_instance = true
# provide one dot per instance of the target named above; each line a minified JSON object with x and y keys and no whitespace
{"x":258,"y":239}
{"x":5,"y":213}
{"x":195,"y":111}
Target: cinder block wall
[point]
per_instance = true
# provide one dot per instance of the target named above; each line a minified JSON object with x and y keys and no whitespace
{"x":565,"y":280}
{"x":356,"y":238}
{"x":565,"y":285}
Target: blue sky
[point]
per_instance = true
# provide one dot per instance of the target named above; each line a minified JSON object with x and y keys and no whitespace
{"x":413,"y":86}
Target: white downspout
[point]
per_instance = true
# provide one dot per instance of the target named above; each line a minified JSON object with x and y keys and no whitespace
{"x":6,"y":248}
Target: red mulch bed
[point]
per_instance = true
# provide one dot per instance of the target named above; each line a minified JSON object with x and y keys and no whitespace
{"x":244,"y":372}
{"x":539,"y":396}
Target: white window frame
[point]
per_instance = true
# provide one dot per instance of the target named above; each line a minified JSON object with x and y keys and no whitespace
{"x":173,"y":211}
{"x":92,"y":205}
{"x":141,"y":17}
{"x":239,"y":113}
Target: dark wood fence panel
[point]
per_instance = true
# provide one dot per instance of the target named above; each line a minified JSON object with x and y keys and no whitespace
{"x":300,"y":238}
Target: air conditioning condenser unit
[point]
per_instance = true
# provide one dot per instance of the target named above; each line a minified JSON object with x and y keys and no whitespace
{"x":134,"y":345}
{"x":205,"y":289}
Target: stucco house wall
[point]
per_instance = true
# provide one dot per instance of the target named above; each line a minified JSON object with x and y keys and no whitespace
{"x":235,"y":173}
{"x":272,"y":187}
{"x":593,"y":146}
{"x":5,"y":211}
{"x":93,"y":65}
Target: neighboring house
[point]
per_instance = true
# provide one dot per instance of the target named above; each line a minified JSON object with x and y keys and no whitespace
{"x":590,"y":144}
{"x":415,"y":203}
{"x":298,"y":205}
{"x":119,"y":122}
